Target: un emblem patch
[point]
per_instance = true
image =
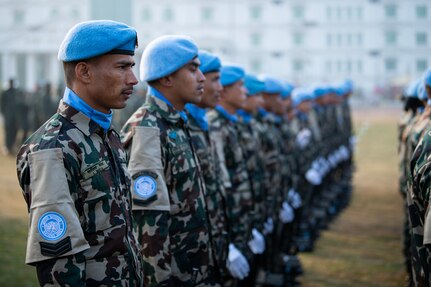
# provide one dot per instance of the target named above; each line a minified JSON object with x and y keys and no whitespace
{"x":52,"y":226}
{"x":145,"y":186}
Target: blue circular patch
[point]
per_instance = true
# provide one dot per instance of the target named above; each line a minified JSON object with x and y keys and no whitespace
{"x":145,"y":186}
{"x":52,"y":226}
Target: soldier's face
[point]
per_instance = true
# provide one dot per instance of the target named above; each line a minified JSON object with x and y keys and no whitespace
{"x":235,"y":94}
{"x":212,"y":90}
{"x":188,"y":83}
{"x":253,"y":103}
{"x":112,"y":81}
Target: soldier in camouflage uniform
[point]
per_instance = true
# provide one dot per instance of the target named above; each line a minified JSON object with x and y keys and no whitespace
{"x":418,"y":184}
{"x":222,"y":123}
{"x":208,"y":158}
{"x":167,"y":185}
{"x":73,"y":169}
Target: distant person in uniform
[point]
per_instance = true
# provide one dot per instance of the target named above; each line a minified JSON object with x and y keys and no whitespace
{"x":9,"y":103}
{"x":73,"y":169}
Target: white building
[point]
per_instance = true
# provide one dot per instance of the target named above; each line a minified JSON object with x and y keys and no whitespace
{"x":374,"y":42}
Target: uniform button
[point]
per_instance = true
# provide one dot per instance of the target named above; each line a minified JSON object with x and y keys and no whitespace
{"x":55,"y":123}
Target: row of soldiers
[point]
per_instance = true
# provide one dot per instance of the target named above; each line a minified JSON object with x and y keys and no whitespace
{"x":229,"y":174}
{"x":414,"y":183}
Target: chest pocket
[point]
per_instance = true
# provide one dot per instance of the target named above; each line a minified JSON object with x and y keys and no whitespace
{"x":98,"y":189}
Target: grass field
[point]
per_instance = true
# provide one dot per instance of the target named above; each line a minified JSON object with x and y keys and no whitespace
{"x":361,"y":248}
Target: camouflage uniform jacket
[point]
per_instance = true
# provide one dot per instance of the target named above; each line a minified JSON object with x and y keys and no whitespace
{"x":169,"y":208}
{"x":215,"y":192}
{"x":235,"y":178}
{"x":77,"y":189}
{"x":418,"y":197}
{"x":254,"y":157}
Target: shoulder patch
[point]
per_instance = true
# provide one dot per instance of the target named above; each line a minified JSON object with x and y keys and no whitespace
{"x":52,"y":226}
{"x":145,"y":186}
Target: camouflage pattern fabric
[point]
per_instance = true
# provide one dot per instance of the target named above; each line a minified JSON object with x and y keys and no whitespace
{"x":215,"y":192}
{"x":171,"y":224}
{"x":100,"y":249}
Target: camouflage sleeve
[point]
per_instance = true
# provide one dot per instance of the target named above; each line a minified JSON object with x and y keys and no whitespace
{"x":218,"y":142}
{"x":151,"y":206}
{"x":424,"y":190}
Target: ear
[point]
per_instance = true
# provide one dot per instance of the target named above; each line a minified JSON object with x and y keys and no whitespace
{"x":83,"y":73}
{"x":166,"y":81}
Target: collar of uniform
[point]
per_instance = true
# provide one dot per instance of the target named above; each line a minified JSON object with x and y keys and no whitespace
{"x":79,"y":120}
{"x":224,"y":113}
{"x":164,"y":109}
{"x":198,"y":115}
{"x":245,"y":116}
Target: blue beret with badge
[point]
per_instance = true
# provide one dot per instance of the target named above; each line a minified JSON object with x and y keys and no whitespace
{"x":209,"y":62}
{"x":253,"y":85}
{"x":272,"y":84}
{"x":90,"y":39}
{"x":229,"y":74}
{"x":165,"y":55}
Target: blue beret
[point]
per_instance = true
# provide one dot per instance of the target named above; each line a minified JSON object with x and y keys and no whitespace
{"x":253,"y":85}
{"x":422,"y":93}
{"x":165,"y":55}
{"x":230,"y":74}
{"x":209,"y":62}
{"x":319,"y":91}
{"x":412,"y":89}
{"x":301,"y":94}
{"x":287,"y":90}
{"x":94,"y":38}
{"x":272,"y":85}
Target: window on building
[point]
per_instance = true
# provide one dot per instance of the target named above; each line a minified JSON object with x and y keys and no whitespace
{"x":328,"y":13}
{"x":298,"y":12}
{"x":329,"y":39}
{"x":349,"y":40}
{"x":421,"y":65}
{"x":391,"y":65}
{"x":168,"y":14}
{"x":359,"y":13}
{"x":18,"y":16}
{"x":348,"y":66}
{"x":421,"y":38}
{"x":256,"y":65}
{"x":359,"y":39}
{"x":349,"y":12}
{"x":339,"y":40}
{"x":421,"y":12}
{"x":391,"y":38}
{"x":146,"y":14}
{"x":391,"y":11}
{"x":339,"y":66}
{"x":298,"y":65}
{"x":298,"y":39}
{"x":328,"y":67}
{"x":256,"y":39}
{"x":54,"y":13}
{"x":256,"y":12}
{"x":75,"y":13}
{"x":207,"y":14}
{"x":359,"y":66}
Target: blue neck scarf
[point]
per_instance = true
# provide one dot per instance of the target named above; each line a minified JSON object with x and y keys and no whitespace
{"x":246,"y":117}
{"x":73,"y":100}
{"x":221,"y":110}
{"x":199,"y":115}
{"x":153,"y":92}
{"x":263,"y":113}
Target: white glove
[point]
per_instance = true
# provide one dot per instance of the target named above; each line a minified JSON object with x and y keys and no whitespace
{"x":303,"y":138}
{"x":236,"y":263}
{"x":286,"y":213}
{"x":257,"y":244}
{"x":313,"y":177}
{"x":268,"y":226}
{"x":294,"y":198}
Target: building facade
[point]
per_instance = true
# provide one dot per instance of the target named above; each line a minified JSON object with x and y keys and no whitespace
{"x":376,"y":43}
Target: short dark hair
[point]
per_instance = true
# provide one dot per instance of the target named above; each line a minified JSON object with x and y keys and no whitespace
{"x":69,"y":72}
